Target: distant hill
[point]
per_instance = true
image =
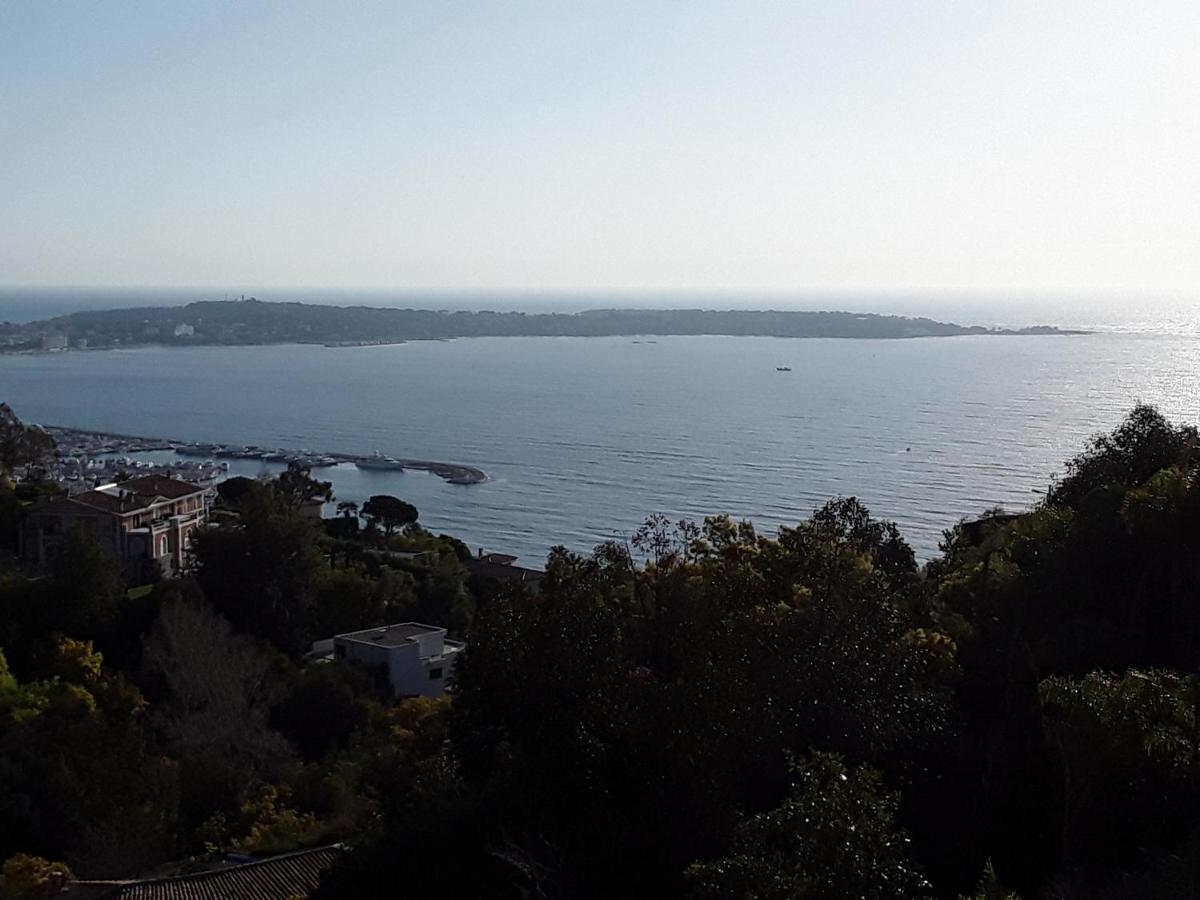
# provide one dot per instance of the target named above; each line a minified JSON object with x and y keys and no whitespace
{"x":248,"y":322}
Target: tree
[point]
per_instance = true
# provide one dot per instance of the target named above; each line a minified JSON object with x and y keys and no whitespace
{"x":31,"y":877}
{"x":1130,"y":750}
{"x":79,"y":778}
{"x":233,"y":491}
{"x":296,"y":486}
{"x":214,"y":691}
{"x":677,"y":690}
{"x":388,"y":511}
{"x":1144,"y":443}
{"x":264,"y":825}
{"x":833,"y":836}
{"x":850,"y":520}
{"x":345,"y":525}
{"x":20,"y":444}
{"x":324,"y":707}
{"x":346,"y":600}
{"x":1104,"y":575}
{"x":82,"y":597}
{"x":262,"y":572}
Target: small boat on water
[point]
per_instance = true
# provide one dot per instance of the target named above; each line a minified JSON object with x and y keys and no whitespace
{"x":783,"y":368}
{"x":380,"y":462}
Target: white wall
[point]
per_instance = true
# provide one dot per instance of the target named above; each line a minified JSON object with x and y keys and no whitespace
{"x":409,"y":664}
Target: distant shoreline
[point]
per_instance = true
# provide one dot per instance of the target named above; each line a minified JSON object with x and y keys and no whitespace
{"x":248,"y":323}
{"x":635,"y":338}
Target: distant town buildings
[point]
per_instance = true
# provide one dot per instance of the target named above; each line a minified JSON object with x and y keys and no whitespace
{"x":185,"y":330}
{"x":418,"y":659}
{"x":54,"y":342}
{"x":147,"y":523}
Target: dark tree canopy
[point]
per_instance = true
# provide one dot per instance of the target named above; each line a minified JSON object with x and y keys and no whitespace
{"x":389,"y":512}
{"x":851,"y":521}
{"x":1143,"y":444}
{"x":237,"y":488}
{"x":297,"y":486}
{"x":20,"y":444}
{"x":704,"y":711}
{"x":678,"y":691}
{"x":833,"y":836}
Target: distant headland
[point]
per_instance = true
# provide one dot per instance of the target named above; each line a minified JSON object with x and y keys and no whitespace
{"x":252,"y":322}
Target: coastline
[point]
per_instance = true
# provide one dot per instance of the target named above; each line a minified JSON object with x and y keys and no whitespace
{"x":251,"y":322}
{"x":117,"y":442}
{"x":636,"y":337}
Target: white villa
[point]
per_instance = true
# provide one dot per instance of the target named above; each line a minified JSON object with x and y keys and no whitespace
{"x":418,"y":659}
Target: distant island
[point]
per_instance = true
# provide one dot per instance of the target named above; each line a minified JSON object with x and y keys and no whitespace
{"x":251,"y":322}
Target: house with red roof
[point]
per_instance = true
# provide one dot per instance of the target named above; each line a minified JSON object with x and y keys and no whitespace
{"x":147,"y":523}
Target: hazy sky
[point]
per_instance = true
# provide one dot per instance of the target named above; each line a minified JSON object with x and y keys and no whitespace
{"x":841,"y":145}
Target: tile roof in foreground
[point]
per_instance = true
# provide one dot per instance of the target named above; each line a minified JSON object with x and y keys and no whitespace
{"x":160,"y":486}
{"x":276,"y":878}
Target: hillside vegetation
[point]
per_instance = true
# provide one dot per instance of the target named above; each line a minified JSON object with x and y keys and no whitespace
{"x":704,"y":711}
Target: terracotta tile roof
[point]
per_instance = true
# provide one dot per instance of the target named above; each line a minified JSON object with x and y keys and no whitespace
{"x":277,"y":878}
{"x":159,"y":486}
{"x":64,"y":506}
{"x":133,"y":495}
{"x":110,"y":502}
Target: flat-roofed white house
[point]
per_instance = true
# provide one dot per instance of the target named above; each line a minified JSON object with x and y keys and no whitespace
{"x":418,"y":659}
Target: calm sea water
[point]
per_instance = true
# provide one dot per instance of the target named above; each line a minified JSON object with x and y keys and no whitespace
{"x":585,"y":437}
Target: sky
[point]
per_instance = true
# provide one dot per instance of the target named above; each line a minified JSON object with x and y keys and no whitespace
{"x":841,"y":146}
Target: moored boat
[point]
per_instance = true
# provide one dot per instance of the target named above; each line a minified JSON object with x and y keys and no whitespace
{"x":378,"y":461}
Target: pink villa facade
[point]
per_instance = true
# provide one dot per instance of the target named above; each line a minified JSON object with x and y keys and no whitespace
{"x":146,"y":522}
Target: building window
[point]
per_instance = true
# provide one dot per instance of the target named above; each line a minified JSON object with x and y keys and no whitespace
{"x":435,"y":674}
{"x":162,"y":546}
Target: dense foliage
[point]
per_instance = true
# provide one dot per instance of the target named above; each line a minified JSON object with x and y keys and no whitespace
{"x":705,"y":711}
{"x":20,"y":444}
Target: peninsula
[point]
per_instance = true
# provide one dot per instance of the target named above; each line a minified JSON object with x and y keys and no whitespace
{"x":251,"y":322}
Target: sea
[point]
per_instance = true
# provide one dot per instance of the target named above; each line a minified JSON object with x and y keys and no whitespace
{"x":583,"y":438}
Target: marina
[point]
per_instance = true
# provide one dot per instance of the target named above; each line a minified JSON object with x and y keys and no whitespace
{"x":83,"y":457}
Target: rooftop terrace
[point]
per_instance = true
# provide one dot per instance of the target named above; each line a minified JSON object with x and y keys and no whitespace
{"x":392,"y":635}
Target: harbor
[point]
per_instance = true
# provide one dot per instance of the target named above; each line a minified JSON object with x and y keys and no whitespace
{"x":83,"y":457}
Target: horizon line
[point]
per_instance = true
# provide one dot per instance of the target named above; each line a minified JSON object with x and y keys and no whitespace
{"x":624,"y":289}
